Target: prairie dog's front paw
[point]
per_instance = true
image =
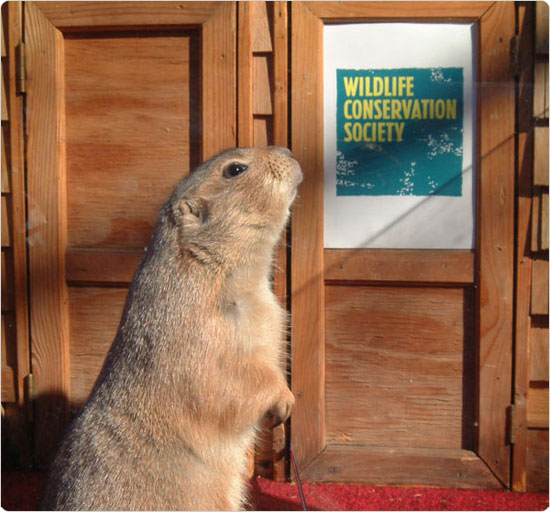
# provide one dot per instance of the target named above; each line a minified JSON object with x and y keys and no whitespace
{"x":282,"y":408}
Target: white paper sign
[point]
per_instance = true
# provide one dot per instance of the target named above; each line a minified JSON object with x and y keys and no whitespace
{"x":399,"y":135}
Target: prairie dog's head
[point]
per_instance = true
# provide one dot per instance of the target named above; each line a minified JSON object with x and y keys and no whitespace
{"x":238,"y":200}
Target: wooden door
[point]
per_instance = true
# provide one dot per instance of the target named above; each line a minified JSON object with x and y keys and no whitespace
{"x":401,"y":359}
{"x":123,"y":100}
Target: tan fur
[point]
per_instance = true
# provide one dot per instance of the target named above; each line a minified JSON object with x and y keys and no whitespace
{"x":196,"y":360}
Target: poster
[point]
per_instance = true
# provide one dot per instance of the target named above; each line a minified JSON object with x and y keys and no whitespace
{"x":399,"y":127}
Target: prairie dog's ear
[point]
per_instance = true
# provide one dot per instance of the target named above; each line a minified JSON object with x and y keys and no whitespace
{"x":192,"y":212}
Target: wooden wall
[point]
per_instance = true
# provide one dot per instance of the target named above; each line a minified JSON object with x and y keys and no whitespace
{"x":262,"y":121}
{"x":16,"y":381}
{"x":530,"y":437}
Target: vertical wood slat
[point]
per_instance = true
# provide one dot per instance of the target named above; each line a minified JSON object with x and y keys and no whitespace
{"x":280,"y":74}
{"x":18,"y":198}
{"x":524,"y":179}
{"x":539,"y":287}
{"x":245,"y":66}
{"x":541,"y":156}
{"x":495,"y":233}
{"x":219,"y":116}
{"x":540,"y":105}
{"x":46,"y":190}
{"x":280,"y":138}
{"x":308,"y":419}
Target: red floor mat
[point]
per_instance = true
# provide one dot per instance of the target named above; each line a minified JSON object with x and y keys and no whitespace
{"x":284,"y":496}
{"x":21,"y":492}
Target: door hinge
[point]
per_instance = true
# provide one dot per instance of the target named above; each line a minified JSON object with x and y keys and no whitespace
{"x":511,"y":424}
{"x":21,"y":71}
{"x":29,"y":387}
{"x":514,"y":55}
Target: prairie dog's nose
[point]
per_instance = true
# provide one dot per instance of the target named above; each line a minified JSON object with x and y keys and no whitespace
{"x":281,"y":149}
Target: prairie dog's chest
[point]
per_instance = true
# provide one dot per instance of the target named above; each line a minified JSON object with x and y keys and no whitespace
{"x":255,"y":313}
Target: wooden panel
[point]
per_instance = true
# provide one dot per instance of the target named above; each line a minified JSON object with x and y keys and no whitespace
{"x":280,"y":74}
{"x":128,"y":106}
{"x":495,"y":234}
{"x":5,"y":159}
{"x":263,"y":131}
{"x":537,"y":408}
{"x":8,"y":302}
{"x":5,"y":110}
{"x":95,"y":316}
{"x":262,"y":87}
{"x":525,"y":22}
{"x":402,"y":359}
{"x":246,"y":69}
{"x":540,"y":105}
{"x":308,"y":435}
{"x":75,"y":15}
{"x":544,"y":217}
{"x":538,"y":353}
{"x":456,"y":468}
{"x":535,"y":221}
{"x":105,"y":268}
{"x":8,"y":385}
{"x":219,"y":85}
{"x":6,"y":224}
{"x":261,"y":40}
{"x":405,"y":11}
{"x":537,"y":460}
{"x":539,"y":288}
{"x":541,"y":156}
{"x":19,"y":200}
{"x":46,"y":188}
{"x":541,"y":29}
{"x":400,"y":265}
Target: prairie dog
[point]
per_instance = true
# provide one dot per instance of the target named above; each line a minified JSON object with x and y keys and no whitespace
{"x":196,"y":360}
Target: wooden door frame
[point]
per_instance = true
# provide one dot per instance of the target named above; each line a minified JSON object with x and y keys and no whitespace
{"x":45,"y":25}
{"x":490,"y":266}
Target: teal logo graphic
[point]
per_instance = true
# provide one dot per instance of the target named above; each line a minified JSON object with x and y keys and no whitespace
{"x":399,"y":132}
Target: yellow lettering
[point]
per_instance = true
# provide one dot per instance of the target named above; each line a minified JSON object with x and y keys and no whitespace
{"x":347,"y":129}
{"x":350,"y":84}
{"x":451,"y":109}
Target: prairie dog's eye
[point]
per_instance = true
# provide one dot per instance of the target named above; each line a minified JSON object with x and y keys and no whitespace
{"x":234,"y":169}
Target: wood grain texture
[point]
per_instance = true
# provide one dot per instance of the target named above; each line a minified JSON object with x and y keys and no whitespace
{"x":540,"y":175}
{"x":537,"y":460}
{"x":130,"y":116}
{"x":105,"y":268}
{"x":280,"y":74}
{"x":540,"y":105}
{"x":99,"y":15}
{"x":261,"y":33}
{"x":308,"y":344}
{"x":8,"y":385}
{"x":538,"y":353}
{"x":496,"y":235}
{"x":48,"y":231}
{"x":219,"y":84}
{"x":537,"y":408}
{"x":246,"y":81}
{"x":541,"y":28}
{"x":539,"y":287}
{"x":95,"y":316}
{"x":454,"y":468}
{"x":18,"y":198}
{"x":6,"y":188}
{"x":524,"y":180}
{"x":6,"y":222}
{"x":261,"y":102}
{"x":396,"y":11}
{"x":399,"y":367}
{"x":8,"y":301}
{"x":430,"y":266}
